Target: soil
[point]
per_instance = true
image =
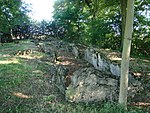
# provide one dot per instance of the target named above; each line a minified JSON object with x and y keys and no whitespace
{"x":141,"y":72}
{"x":44,"y":93}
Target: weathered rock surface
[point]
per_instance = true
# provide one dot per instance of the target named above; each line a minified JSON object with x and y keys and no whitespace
{"x":97,"y":59}
{"x":100,"y":62}
{"x":75,"y":50}
{"x":58,"y":74}
{"x":90,"y":85}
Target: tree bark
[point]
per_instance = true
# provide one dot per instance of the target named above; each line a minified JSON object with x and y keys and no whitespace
{"x":126,"y":53}
{"x":123,"y":18}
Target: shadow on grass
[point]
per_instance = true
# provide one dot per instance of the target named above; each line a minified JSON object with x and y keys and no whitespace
{"x":25,"y":86}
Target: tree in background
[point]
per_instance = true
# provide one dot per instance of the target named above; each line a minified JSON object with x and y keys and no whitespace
{"x":67,"y":15}
{"x":141,"y":22}
{"x":102,"y":23}
{"x":141,"y":34}
{"x":12,"y":13}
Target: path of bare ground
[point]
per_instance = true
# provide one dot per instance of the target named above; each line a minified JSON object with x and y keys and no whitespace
{"x":40,"y":90}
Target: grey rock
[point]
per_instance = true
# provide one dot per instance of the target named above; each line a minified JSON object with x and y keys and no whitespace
{"x":100,"y":62}
{"x":58,"y":77}
{"x":89,"y":85}
{"x":75,"y":50}
{"x":115,"y":69}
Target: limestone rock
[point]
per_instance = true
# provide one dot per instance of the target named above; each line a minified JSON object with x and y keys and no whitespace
{"x":90,"y":85}
{"x":74,"y":50}
{"x":58,"y":74}
{"x":100,"y":62}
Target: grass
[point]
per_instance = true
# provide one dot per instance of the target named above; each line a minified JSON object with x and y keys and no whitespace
{"x":10,"y":48}
{"x":25,"y":86}
{"x":14,"y":72}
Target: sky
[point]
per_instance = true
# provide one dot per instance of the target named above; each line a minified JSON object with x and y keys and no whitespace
{"x":41,"y":9}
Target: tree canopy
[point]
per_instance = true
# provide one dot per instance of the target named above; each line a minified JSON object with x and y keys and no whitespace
{"x":98,"y":22}
{"x":12,"y":13}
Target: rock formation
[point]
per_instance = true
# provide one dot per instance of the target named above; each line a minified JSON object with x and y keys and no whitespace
{"x":90,"y":85}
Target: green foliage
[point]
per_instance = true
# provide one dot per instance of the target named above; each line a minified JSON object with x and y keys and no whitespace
{"x":98,"y":22}
{"x":141,"y":28}
{"x":12,"y":13}
{"x":28,"y":78}
{"x":67,"y":14}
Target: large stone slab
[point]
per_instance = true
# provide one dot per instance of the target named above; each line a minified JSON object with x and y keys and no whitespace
{"x":100,"y":62}
{"x":90,"y":85}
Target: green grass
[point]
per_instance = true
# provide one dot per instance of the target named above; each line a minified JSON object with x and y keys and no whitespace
{"x":24,"y":89}
{"x":10,"y":48}
{"x":11,"y":77}
{"x":13,"y":72}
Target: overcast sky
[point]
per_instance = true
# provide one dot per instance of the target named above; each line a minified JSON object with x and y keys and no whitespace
{"x":42,"y":9}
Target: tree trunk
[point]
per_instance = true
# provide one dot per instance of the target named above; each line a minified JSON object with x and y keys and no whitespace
{"x":123,"y":18}
{"x":126,"y":53}
{"x":11,"y":33}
